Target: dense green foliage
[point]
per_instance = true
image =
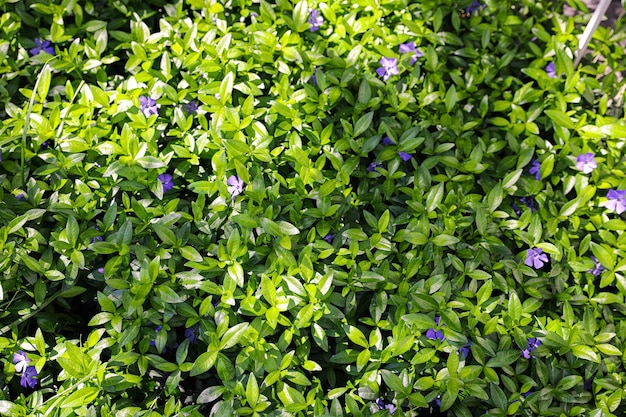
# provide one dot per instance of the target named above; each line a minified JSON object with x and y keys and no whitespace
{"x":214,"y":208}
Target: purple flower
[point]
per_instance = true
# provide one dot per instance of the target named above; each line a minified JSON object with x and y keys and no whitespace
{"x":28,"y":377}
{"x":387,"y":141}
{"x":405,"y":156}
{"x":530,"y":202}
{"x":101,"y":270}
{"x":532,"y":344}
{"x":616,"y":201}
{"x":411,"y":48}
{"x":372,"y":166}
{"x":191,"y":107}
{"x":433,"y":334}
{"x":474,"y":6}
{"x":166,"y":180}
{"x":315,"y":20}
{"x":148,"y":106}
{"x":382,"y":405}
{"x":329,"y":237}
{"x":314,"y":77}
{"x":96,"y":239}
{"x":535,"y":167}
{"x":586,"y":163}
{"x":438,"y":401}
{"x":235,"y":185}
{"x":597,"y":269}
{"x":464,"y":351}
{"x":42,"y":46}
{"x":516,"y":209}
{"x":192,"y":334}
{"x":551,"y":70}
{"x":535,"y":258}
{"x":20,"y":360}
{"x":389,"y":67}
{"x":21,"y":196}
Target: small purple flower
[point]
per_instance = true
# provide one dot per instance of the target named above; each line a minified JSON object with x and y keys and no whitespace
{"x":44,"y":145}
{"x":387,"y":141}
{"x":530,"y":202}
{"x":516,"y":209}
{"x":586,"y":163}
{"x":329,"y":237}
{"x":380,"y":403}
{"x":616,"y":201}
{"x":192,"y":334}
{"x":433,"y":334}
{"x":389,"y":67}
{"x":535,"y":167}
{"x":235,"y":185}
{"x":464,"y":351}
{"x":474,"y":6}
{"x":551,"y":70}
{"x":101,"y":270}
{"x":372,"y":167}
{"x":42,"y":46}
{"x":20,"y":360}
{"x":96,"y":239}
{"x":411,"y":48}
{"x":405,"y":156}
{"x":315,"y":20}
{"x":535,"y":258}
{"x":597,"y":269}
{"x":218,"y":96}
{"x":166,"y":180}
{"x":21,"y":196}
{"x":438,"y":401}
{"x":148,"y":106}
{"x":191,"y":107}
{"x":532,"y":344}
{"x":28,"y":377}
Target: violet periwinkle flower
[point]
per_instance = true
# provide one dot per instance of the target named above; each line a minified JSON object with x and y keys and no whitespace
{"x":21,"y":361}
{"x":191,"y":333}
{"x":535,"y":258}
{"x":616,"y":201}
{"x":315,"y":20}
{"x":433,"y":334}
{"x":329,"y":237}
{"x":101,"y":270}
{"x":166,"y":181}
{"x":464,"y":350}
{"x":597,"y":269}
{"x":389,"y":67}
{"x":148,"y":106}
{"x":551,"y":70}
{"x":382,"y":405}
{"x":438,"y":401}
{"x":411,"y":48}
{"x":235,"y":185}
{"x":530,"y":202}
{"x":586,"y":163}
{"x":191,"y":107}
{"x":405,"y":156}
{"x":28,"y":379}
{"x":474,"y":6}
{"x":532,"y":344}
{"x":372,"y":167}
{"x":535,"y":168}
{"x":387,"y":141}
{"x":516,"y":209}
{"x":42,"y":46}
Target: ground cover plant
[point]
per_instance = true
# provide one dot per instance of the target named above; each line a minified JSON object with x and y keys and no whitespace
{"x":310,"y":208}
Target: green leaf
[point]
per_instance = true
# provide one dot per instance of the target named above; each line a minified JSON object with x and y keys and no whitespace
{"x":504,"y":358}
{"x":451,"y":98}
{"x":363,"y":123}
{"x":357,"y":336}
{"x":498,"y":397}
{"x":586,"y":353}
{"x":233,"y":335}
{"x":204,"y":362}
{"x":560,"y":118}
{"x":445,"y":240}
{"x":82,"y":397}
{"x":43,"y":83}
{"x":190,"y":253}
